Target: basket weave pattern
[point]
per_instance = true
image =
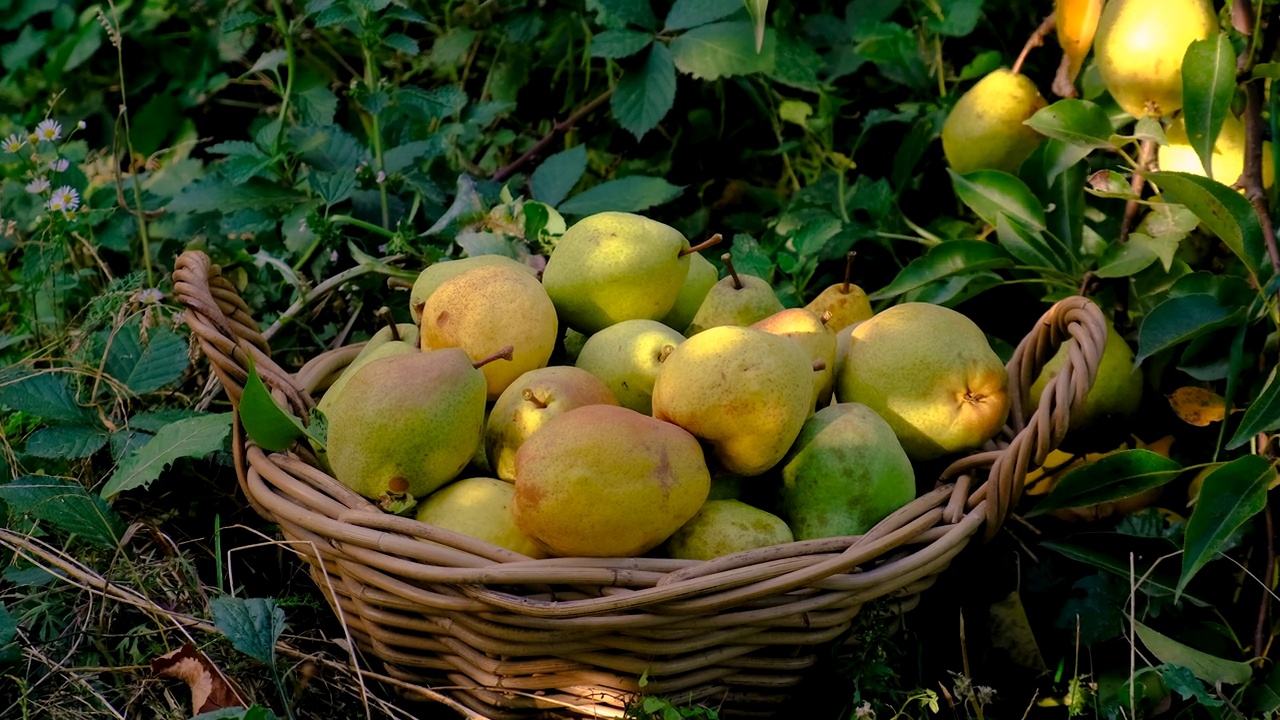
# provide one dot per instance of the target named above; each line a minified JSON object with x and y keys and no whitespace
{"x":520,"y":638}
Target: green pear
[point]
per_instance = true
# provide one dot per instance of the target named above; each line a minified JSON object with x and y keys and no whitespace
{"x":529,"y":403}
{"x":724,"y":527}
{"x":1139,"y":47}
{"x":812,"y":335}
{"x":605,"y":481}
{"x":481,"y":508}
{"x":738,"y":299}
{"x":366,"y":356}
{"x":930,"y":373}
{"x":406,"y":425}
{"x":985,"y":128}
{"x":702,"y":276}
{"x":486,"y":308}
{"x":846,"y":302}
{"x":615,"y":266}
{"x":1116,"y":392}
{"x":433,"y":275}
{"x":845,"y":473}
{"x":627,"y":357}
{"x":744,"y":391}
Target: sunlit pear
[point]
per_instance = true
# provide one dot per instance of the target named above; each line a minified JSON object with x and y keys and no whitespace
{"x":702,"y":276}
{"x":1077,"y":22}
{"x":627,"y":357}
{"x":812,"y":335}
{"x":738,"y":299}
{"x":985,"y":129}
{"x":1139,"y":48}
{"x":479,"y":507}
{"x":433,"y":275}
{"x":846,"y":302}
{"x":397,"y":339}
{"x":531,"y":402}
{"x":931,"y":374}
{"x":724,"y":527}
{"x":489,"y":307}
{"x":1117,"y":390}
{"x":1228,"y":153}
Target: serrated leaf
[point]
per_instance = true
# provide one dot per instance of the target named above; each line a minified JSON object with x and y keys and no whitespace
{"x":194,"y":438}
{"x":1263,"y":414}
{"x":992,"y":192}
{"x":235,"y":147}
{"x":722,"y":49}
{"x":636,"y":12}
{"x":146,"y":367}
{"x":629,"y":194}
{"x":619,"y":43}
{"x":1183,"y":318}
{"x":958,"y":18}
{"x":436,"y":104}
{"x":403,"y":156}
{"x":251,"y":624}
{"x":210,"y":194}
{"x":1207,"y":667}
{"x":241,"y":19}
{"x":1224,"y":211}
{"x":67,"y":505}
{"x":1229,"y":496}
{"x":401,"y":43}
{"x":949,"y":259}
{"x":749,"y":258}
{"x":1112,"y":477}
{"x":644,"y":95}
{"x":269,"y":60}
{"x":1208,"y":83}
{"x":9,"y":652}
{"x":556,"y":176}
{"x":1076,"y":122}
{"x":687,"y":14}
{"x":333,"y":187}
{"x":65,"y":442}
{"x":45,"y":394}
{"x":316,"y":105}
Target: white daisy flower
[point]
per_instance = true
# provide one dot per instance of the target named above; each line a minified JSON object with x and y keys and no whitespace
{"x":48,"y":129}
{"x":13,"y":143}
{"x":150,"y":296}
{"x":59,"y":165}
{"x":65,"y":199}
{"x":38,"y":185}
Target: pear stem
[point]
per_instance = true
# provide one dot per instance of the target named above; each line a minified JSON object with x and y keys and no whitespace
{"x":1035,"y":41}
{"x":665,"y":352}
{"x":1139,"y":181}
{"x":825,"y":317}
{"x":528,"y":395}
{"x":819,"y":365}
{"x":396,"y":283}
{"x":713,"y":240}
{"x":727,"y":259}
{"x":848,"y":271}
{"x":384,"y":314}
{"x":503,"y":354}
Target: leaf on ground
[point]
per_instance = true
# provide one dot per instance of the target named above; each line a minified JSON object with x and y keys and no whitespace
{"x":209,"y":688}
{"x":67,"y":442}
{"x":1207,"y":667}
{"x":1011,"y":631}
{"x":66,"y":505}
{"x":45,"y":394}
{"x":251,"y":624}
{"x":145,"y":365}
{"x":193,"y":437}
{"x":1197,"y":406}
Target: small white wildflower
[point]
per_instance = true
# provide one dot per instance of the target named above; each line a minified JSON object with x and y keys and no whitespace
{"x":302,"y":225}
{"x":65,"y":198}
{"x":865,"y":712}
{"x":59,"y":165}
{"x":38,"y":185}
{"x":49,"y":129}
{"x":13,"y":143}
{"x":150,"y":296}
{"x":382,"y":249}
{"x":81,"y":125}
{"x":382,"y":177}
{"x":333,"y":256}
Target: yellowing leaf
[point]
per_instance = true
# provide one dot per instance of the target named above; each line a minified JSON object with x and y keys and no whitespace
{"x":1077,"y":20}
{"x":1198,"y":406}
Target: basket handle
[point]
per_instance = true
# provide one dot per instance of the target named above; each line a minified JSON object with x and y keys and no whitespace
{"x":1078,"y":322}
{"x":227,"y":333}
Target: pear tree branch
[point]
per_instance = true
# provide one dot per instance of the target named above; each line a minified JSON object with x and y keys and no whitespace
{"x":1242,"y":18}
{"x":1035,"y":41}
{"x":560,"y":127}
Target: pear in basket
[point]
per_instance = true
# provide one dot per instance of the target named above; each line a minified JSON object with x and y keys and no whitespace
{"x":406,"y":425}
{"x":627,"y":357}
{"x":846,"y":302}
{"x":723,"y":527}
{"x":702,"y":276}
{"x":1117,"y":390}
{"x":738,"y":299}
{"x":480,"y":508}
{"x":434,"y":275}
{"x":810,"y":332}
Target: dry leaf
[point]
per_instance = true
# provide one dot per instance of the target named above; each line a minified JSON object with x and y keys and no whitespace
{"x":209,"y":689}
{"x":1011,"y":631}
{"x":1077,"y":21}
{"x":1198,"y":406}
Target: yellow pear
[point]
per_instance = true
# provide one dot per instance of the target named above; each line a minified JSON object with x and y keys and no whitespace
{"x":481,"y":508}
{"x":531,"y":402}
{"x":702,"y":276}
{"x":738,"y":299}
{"x":930,"y":373}
{"x":487,"y":308}
{"x":1139,"y":47}
{"x":724,"y":527}
{"x":742,"y":390}
{"x":1227,"y":160}
{"x":433,"y":275}
{"x":812,"y":335}
{"x":627,"y":357}
{"x":985,"y":128}
{"x":846,"y":302}
{"x":384,"y":343}
{"x":1116,"y":392}
{"x":605,"y":481}
{"x":1077,"y":22}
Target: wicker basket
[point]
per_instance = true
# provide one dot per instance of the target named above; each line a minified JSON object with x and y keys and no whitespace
{"x":513,"y":637}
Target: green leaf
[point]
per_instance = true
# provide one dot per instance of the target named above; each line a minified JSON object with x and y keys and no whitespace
{"x":687,"y":14}
{"x":1075,"y":122}
{"x":992,"y":192}
{"x":437,"y":104}
{"x":1208,"y":82}
{"x":257,"y":712}
{"x":146,"y":366}
{"x":628,"y":194}
{"x":45,"y":394}
{"x":1224,"y":211}
{"x":1125,"y":259}
{"x":251,"y":624}
{"x":636,"y":12}
{"x":1029,"y":245}
{"x":958,"y":17}
{"x":644,"y":95}
{"x":407,"y":155}
{"x":722,"y":49}
{"x":265,"y":422}
{"x":556,"y":176}
{"x":952,"y":258}
{"x":619,"y":43}
{"x":1207,"y":667}
{"x":67,"y":505}
{"x":749,"y":258}
{"x":1110,"y":552}
{"x":1229,"y":496}
{"x":9,"y":651}
{"x":1111,"y":477}
{"x":1263,"y":414}
{"x":215,"y":194}
{"x":1183,"y":318}
{"x":194,"y":437}
{"x":758,"y":10}
{"x":402,"y":43}
{"x":895,"y":51}
{"x":65,"y":442}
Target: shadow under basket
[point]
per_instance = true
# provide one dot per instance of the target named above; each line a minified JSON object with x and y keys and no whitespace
{"x":513,"y":637}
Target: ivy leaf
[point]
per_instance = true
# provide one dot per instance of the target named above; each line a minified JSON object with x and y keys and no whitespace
{"x":992,"y":192}
{"x":644,"y":95}
{"x":628,"y":194}
{"x":67,"y":505}
{"x":556,"y":176}
{"x":619,"y":43}
{"x":1224,"y":211}
{"x":1229,"y":496}
{"x":1115,"y":476}
{"x":1075,"y":122}
{"x":722,"y":49}
{"x":1263,"y":414}
{"x":251,"y":624}
{"x":194,"y":437}
{"x":687,"y":14}
{"x":1207,"y":667}
{"x":65,"y":442}
{"x":953,"y":258}
{"x":1208,"y":83}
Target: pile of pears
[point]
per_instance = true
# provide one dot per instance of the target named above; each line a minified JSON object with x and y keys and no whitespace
{"x":698,"y":417}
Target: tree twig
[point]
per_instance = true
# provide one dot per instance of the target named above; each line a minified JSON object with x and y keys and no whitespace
{"x":560,"y":127}
{"x":1260,"y":630}
{"x":1035,"y":41}
{"x":1138,"y":182}
{"x":1251,"y":179}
